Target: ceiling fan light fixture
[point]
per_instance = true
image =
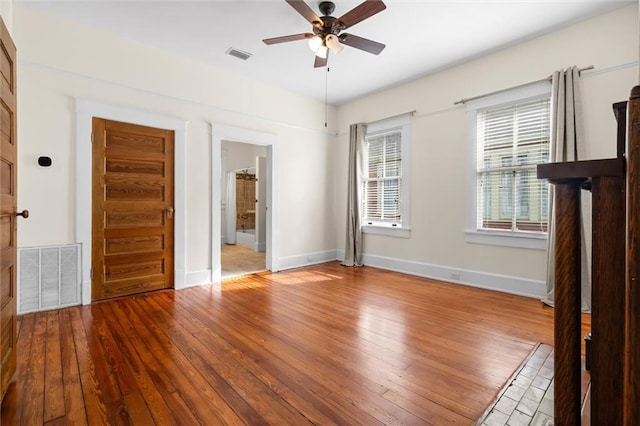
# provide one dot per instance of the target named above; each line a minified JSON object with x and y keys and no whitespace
{"x":315,"y":43}
{"x":333,"y":43}
{"x":322,"y":52}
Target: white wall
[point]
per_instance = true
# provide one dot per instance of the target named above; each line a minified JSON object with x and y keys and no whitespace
{"x":242,"y":155}
{"x":437,"y":245}
{"x":60,"y":60}
{"x":6,"y":12}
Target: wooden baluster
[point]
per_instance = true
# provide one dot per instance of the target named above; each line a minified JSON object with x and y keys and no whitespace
{"x":632,"y":287}
{"x":567,"y":303}
{"x":607,"y":301}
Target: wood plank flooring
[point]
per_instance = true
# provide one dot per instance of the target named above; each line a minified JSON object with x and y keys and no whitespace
{"x":237,"y":259}
{"x":318,"y":345}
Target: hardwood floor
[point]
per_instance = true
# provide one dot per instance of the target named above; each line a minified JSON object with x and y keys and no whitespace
{"x":240,"y":260}
{"x":317,"y":345}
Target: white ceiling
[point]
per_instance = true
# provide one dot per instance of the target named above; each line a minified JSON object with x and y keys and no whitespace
{"x":422,"y":36}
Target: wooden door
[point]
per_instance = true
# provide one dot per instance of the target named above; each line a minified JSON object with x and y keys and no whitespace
{"x":8,"y":187}
{"x":132,"y":209}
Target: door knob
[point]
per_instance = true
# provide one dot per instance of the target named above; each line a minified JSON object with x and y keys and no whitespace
{"x":170,"y":211}
{"x":23,"y":213}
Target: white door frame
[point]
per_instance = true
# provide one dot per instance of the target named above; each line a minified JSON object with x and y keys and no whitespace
{"x":220,"y":132}
{"x":86,"y":109}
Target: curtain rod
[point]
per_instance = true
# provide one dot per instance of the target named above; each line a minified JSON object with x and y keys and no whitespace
{"x":393,"y":116}
{"x":473,"y":98}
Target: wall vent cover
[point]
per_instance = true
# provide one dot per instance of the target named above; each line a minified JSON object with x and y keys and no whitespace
{"x":238,"y":53}
{"x":48,"y":277}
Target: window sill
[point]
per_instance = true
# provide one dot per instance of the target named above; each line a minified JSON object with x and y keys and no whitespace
{"x":507,"y":239}
{"x":387,"y":231}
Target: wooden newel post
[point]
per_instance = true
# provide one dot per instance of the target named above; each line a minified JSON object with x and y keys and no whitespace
{"x":567,"y":302}
{"x":615,"y":347}
{"x":632,"y":288}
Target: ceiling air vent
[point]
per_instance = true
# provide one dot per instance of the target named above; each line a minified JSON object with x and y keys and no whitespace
{"x":238,"y":53}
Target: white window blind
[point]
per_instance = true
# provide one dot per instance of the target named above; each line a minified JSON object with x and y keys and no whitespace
{"x":511,"y":141}
{"x":382,"y":182}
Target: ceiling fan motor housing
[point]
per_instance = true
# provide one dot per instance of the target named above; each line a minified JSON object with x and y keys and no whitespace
{"x":328,"y":24}
{"x":327,"y":7}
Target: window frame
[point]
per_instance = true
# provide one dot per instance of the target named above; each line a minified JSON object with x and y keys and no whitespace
{"x":509,"y":238}
{"x":403,"y":124}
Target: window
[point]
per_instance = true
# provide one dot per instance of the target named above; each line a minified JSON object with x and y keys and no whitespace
{"x":509,"y":136}
{"x":385,"y":177}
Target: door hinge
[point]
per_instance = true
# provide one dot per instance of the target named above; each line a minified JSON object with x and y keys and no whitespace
{"x":91,"y":273}
{"x":91,"y":137}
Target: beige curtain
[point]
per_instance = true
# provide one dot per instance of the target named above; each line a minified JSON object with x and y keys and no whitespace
{"x":353,"y":242}
{"x":567,"y":144}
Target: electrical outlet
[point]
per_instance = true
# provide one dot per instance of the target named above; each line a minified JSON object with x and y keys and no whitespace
{"x":455,"y":275}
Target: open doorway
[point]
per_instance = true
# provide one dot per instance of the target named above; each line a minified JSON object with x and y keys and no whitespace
{"x":219,"y":134}
{"x":243,"y":209}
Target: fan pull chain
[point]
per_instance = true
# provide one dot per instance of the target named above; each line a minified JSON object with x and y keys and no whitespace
{"x":326,"y":97}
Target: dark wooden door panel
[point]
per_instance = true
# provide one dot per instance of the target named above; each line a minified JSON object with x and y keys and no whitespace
{"x":136,"y":218}
{"x":8,"y":190}
{"x":134,"y":244}
{"x":132,"y":197}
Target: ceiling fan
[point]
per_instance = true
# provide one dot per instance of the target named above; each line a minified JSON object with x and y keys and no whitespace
{"x":326,"y":35}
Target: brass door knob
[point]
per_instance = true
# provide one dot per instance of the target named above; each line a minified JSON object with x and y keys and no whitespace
{"x":23,"y":213}
{"x":170,"y":211}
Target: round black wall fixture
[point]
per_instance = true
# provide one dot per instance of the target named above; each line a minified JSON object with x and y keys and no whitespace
{"x":44,"y":161}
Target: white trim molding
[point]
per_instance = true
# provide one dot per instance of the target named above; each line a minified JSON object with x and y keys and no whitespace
{"x":220,"y":132}
{"x":308,"y":259}
{"x":503,"y":283}
{"x":482,"y":236}
{"x":534,"y":241}
{"x":86,"y":109}
{"x":402,"y":123}
{"x":198,"y":278}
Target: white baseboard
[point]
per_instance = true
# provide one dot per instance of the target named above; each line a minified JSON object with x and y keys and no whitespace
{"x":198,"y":278}
{"x":260,"y":247}
{"x":179,"y":279}
{"x":306,"y":259}
{"x":489,"y":281}
{"x":207,"y":276}
{"x":497,"y":282}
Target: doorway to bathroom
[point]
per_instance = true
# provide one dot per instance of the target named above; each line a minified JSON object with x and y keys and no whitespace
{"x":244,"y":209}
